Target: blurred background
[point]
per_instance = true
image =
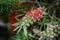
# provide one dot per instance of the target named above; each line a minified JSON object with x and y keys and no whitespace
{"x":7,"y":7}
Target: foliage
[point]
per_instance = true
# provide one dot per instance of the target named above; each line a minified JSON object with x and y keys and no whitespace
{"x":7,"y":6}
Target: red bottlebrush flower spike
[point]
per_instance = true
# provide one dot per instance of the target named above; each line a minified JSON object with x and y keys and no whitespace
{"x":36,"y":14}
{"x":30,"y":17}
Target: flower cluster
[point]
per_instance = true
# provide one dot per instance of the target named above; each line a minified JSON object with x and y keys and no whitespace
{"x":50,"y":32}
{"x":35,"y":14}
{"x":30,"y":17}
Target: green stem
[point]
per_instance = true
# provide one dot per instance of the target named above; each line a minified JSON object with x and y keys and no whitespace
{"x":44,"y":26}
{"x":40,"y":27}
{"x":38,"y":3}
{"x":56,"y":18}
{"x":25,"y":30}
{"x":41,"y":24}
{"x":44,"y":23}
{"x":19,"y":30}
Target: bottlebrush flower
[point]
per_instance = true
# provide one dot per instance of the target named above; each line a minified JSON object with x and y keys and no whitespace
{"x":30,"y":17}
{"x":35,"y":14}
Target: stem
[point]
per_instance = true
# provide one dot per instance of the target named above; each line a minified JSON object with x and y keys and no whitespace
{"x":38,"y":3}
{"x":25,"y":30}
{"x":19,"y":29}
{"x":44,"y":26}
{"x":16,"y":28}
{"x":16,"y":17}
{"x":51,"y":18}
{"x":40,"y":27}
{"x":44,"y":23}
{"x":56,"y":18}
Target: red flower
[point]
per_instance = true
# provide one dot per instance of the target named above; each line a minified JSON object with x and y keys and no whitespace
{"x":36,"y":14}
{"x":12,"y":20}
